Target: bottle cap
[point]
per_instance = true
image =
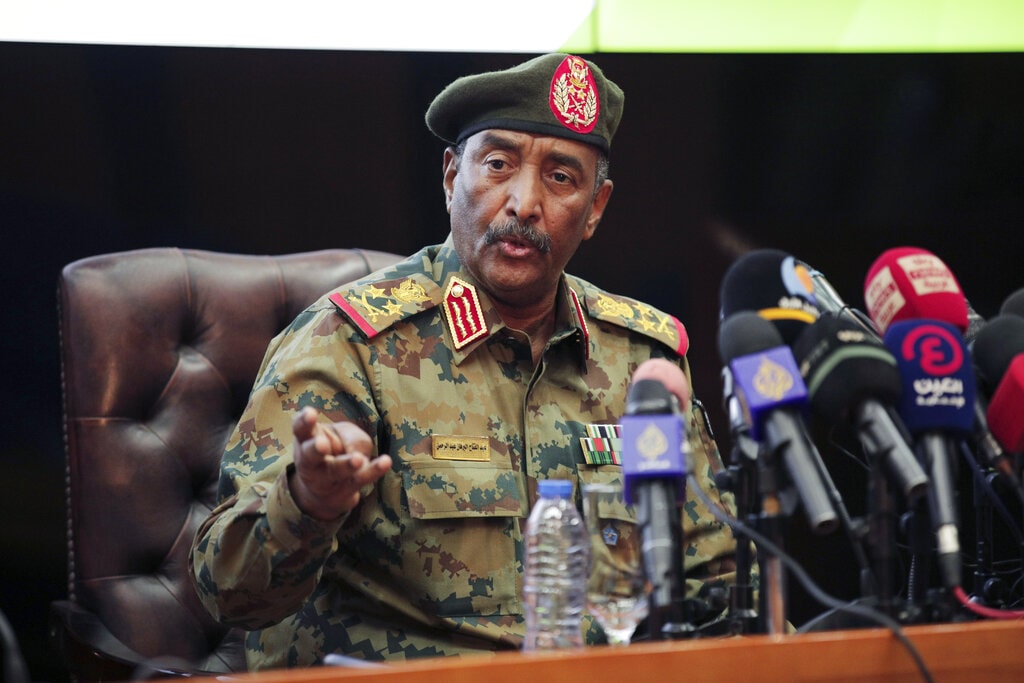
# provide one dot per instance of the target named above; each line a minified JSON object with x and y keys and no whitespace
{"x":554,"y":488}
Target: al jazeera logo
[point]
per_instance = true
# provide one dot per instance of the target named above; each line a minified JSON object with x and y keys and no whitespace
{"x":651,"y":444}
{"x":772,"y":380}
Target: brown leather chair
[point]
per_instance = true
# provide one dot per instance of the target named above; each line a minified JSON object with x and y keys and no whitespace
{"x":159,"y":350}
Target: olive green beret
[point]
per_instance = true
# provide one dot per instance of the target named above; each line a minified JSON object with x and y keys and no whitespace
{"x":556,"y":94}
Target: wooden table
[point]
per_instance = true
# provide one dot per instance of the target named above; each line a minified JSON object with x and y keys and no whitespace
{"x":971,"y":652}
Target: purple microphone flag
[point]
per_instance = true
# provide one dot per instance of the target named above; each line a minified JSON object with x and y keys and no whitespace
{"x":765,"y":381}
{"x":653,"y":447}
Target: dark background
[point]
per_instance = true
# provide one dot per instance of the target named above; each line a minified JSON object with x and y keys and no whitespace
{"x":834,"y":158}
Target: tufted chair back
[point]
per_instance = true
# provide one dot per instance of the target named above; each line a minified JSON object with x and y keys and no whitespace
{"x":159,"y":350}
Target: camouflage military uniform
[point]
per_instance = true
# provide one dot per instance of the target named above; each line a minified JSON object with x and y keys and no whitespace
{"x":430,"y":561}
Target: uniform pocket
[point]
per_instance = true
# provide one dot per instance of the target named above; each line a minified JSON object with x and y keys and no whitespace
{"x":608,"y":474}
{"x":437,"y":489}
{"x":458,"y":545}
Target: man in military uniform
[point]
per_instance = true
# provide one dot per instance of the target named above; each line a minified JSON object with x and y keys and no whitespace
{"x":375,"y":492}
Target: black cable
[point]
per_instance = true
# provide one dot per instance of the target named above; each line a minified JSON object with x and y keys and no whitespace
{"x":812,"y":588}
{"x":15,"y":670}
{"x":997,"y":502}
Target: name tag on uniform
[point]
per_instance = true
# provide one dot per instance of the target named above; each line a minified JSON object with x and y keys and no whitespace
{"x":475,"y":448}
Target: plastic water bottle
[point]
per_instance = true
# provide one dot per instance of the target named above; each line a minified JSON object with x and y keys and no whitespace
{"x":557,"y":557}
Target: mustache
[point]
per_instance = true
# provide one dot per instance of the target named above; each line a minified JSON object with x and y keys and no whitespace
{"x":524,"y":232}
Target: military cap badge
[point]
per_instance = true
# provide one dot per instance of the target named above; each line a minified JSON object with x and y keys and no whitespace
{"x":573,"y":98}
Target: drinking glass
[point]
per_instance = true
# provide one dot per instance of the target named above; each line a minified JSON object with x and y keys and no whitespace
{"x":617,"y":589}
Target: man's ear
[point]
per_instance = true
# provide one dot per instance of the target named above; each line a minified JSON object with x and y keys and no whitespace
{"x":597,"y":208}
{"x":449,"y":169}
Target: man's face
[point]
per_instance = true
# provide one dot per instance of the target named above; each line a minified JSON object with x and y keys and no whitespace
{"x":520,"y":205}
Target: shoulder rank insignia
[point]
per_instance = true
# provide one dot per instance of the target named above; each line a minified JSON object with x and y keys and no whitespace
{"x":639,"y":317}
{"x":464,"y":314}
{"x":375,"y":306}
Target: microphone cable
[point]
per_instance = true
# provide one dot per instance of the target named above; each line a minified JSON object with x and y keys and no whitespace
{"x":982,"y":610}
{"x":14,"y":668}
{"x":808,"y":583}
{"x":995,"y":499}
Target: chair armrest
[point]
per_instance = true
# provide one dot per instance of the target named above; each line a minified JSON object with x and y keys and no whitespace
{"x":92,"y":653}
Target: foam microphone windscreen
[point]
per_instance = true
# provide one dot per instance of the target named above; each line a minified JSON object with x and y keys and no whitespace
{"x":844,"y":365}
{"x":773,"y":284}
{"x":995,"y":347}
{"x":909,"y":283}
{"x":763,"y":369}
{"x":1014,"y":304}
{"x":1006,"y":409}
{"x":744,"y":333}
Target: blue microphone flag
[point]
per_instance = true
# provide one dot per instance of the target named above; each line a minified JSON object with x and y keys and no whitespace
{"x":937,"y":374}
{"x":765,"y":381}
{"x":654,"y":446}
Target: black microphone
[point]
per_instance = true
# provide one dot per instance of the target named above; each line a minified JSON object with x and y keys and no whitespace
{"x":768,"y":385}
{"x":909,"y":283}
{"x":654,"y":470}
{"x":774,"y":285}
{"x":827,"y":299}
{"x":1014,"y":304}
{"x":852,"y":379}
{"x":937,"y":407}
{"x":999,"y":363}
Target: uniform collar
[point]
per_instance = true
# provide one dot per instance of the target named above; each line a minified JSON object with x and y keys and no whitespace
{"x":471,"y":318}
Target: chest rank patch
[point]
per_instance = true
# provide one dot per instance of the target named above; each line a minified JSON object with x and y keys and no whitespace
{"x":464,"y":313}
{"x":573,"y":99}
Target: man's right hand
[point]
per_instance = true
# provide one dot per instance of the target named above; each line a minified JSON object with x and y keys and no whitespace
{"x":332,"y":462}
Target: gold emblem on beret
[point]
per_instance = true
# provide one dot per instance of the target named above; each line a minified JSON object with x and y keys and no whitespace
{"x":573,"y":97}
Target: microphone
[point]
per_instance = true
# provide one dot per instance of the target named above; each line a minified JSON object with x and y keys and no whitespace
{"x":924,"y":287}
{"x":1014,"y":304}
{"x":828,"y":300}
{"x":937,"y":405}
{"x":853,"y":379}
{"x":995,"y":347}
{"x":654,"y":450}
{"x":908,"y":283}
{"x":774,"y":285}
{"x":975,"y":322}
{"x":999,"y":357}
{"x":768,"y":385}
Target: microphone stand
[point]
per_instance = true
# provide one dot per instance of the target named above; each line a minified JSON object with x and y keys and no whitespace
{"x":741,"y":479}
{"x":921,"y":542}
{"x":924,"y":525}
{"x":770,"y":523}
{"x":987,"y":586}
{"x":881,"y":528}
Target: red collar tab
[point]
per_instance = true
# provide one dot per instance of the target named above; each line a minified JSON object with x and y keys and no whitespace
{"x":464,"y":313}
{"x":582,"y":318}
{"x":573,"y":98}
